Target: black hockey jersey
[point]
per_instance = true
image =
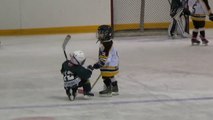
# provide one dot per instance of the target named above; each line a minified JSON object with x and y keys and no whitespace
{"x":73,"y":74}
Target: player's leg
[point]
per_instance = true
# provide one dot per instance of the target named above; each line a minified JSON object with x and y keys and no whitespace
{"x":202,"y":33}
{"x":194,"y":39}
{"x":172,"y":29}
{"x":86,"y":88}
{"x":74,"y":93}
{"x":175,"y":14}
{"x":181,"y":23}
{"x":108,"y":89}
{"x":186,"y":26}
{"x":203,"y":38}
{"x":115,"y":89}
{"x":69,"y":93}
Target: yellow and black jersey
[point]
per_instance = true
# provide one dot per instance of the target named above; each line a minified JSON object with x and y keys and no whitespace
{"x":109,"y":59}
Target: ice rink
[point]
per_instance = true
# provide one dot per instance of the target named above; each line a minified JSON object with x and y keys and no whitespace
{"x":159,"y":79}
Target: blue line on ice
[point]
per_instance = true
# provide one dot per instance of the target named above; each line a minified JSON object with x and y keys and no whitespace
{"x":89,"y":103}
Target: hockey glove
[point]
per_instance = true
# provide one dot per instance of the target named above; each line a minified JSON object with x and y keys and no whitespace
{"x":89,"y":67}
{"x":96,"y":66}
{"x":211,"y":16}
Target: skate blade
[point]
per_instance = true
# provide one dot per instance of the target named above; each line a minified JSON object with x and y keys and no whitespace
{"x":195,"y":44}
{"x":71,"y":98}
{"x":87,"y":97}
{"x":106,"y":95}
{"x":115,"y":93}
{"x":205,"y":44}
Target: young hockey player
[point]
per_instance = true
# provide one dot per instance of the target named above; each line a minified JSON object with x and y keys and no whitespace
{"x":199,"y":9}
{"x":179,"y":13}
{"x":75,"y":75}
{"x":108,"y":61}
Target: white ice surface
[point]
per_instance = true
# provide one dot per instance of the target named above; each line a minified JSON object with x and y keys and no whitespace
{"x":160,"y":79}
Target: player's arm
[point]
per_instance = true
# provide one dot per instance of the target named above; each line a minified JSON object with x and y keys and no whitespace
{"x":207,"y":5}
{"x":82,"y":72}
{"x":103,"y":56}
{"x":209,"y":9}
{"x":64,"y":67}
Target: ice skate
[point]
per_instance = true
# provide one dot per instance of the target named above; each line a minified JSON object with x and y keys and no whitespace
{"x":71,"y":94}
{"x":186,"y":35}
{"x":195,"y":42}
{"x":115,"y":90}
{"x":172,"y":36}
{"x":106,"y":92}
{"x":88,"y":95}
{"x":205,"y":42}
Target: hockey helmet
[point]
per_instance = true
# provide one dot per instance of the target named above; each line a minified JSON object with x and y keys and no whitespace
{"x":77,"y":57}
{"x":104,"y":33}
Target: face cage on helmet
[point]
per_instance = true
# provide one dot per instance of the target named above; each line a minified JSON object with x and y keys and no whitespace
{"x":103,"y":36}
{"x":78,"y":61}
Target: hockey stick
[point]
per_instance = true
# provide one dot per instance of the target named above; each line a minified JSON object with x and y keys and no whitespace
{"x":81,"y":91}
{"x":95,"y":81}
{"x":66,"y":40}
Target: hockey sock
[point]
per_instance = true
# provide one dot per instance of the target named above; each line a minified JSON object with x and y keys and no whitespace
{"x":202,"y":34}
{"x":74,"y":90}
{"x":194,"y":34}
{"x":173,"y":27}
{"x":87,"y":87}
{"x":113,"y":81}
{"x":107,"y":82}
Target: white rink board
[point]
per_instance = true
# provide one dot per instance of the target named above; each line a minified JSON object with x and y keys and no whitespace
{"x":160,"y":79}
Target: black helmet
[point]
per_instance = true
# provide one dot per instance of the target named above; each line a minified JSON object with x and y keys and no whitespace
{"x":104,"y":33}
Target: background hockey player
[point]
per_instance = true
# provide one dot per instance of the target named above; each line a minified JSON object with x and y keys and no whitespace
{"x":108,"y":61}
{"x":75,"y":75}
{"x":199,"y":9}
{"x":179,"y":13}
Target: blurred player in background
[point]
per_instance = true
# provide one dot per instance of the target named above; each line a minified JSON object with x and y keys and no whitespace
{"x":199,"y":10}
{"x":180,"y":21}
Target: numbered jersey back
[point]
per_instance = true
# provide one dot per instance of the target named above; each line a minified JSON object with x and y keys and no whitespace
{"x":70,"y":80}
